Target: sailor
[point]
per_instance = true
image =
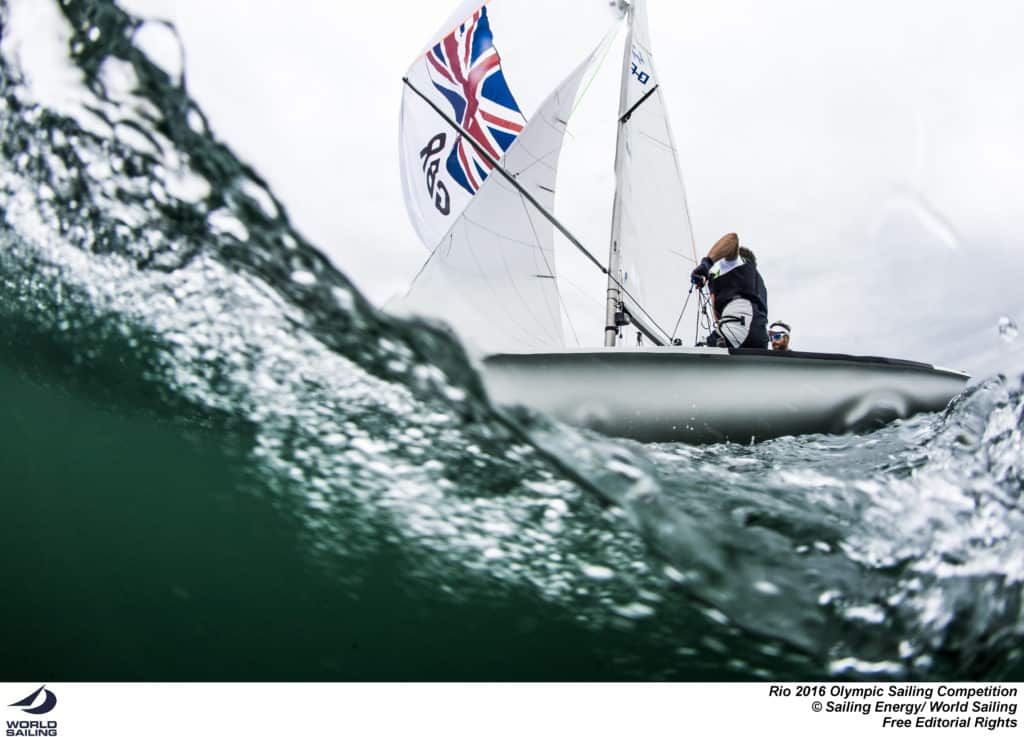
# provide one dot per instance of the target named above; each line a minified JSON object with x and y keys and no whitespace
{"x":738,"y":295}
{"x":778,"y":334}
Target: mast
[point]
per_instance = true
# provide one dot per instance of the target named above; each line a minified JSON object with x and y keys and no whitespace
{"x":614,"y":300}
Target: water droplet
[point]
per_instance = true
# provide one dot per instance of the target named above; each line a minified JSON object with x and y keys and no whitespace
{"x":767,"y":588}
{"x":344,"y":298}
{"x":159,"y":42}
{"x":223,"y":221}
{"x":674,"y":574}
{"x":94,"y":34}
{"x":556,"y":507}
{"x":869,"y":613}
{"x":827,"y":597}
{"x":907,"y":649}
{"x":844,"y":666}
{"x":636,"y":610}
{"x":303,"y":277}
{"x":715,"y":616}
{"x":195,"y":122}
{"x":260,"y":196}
{"x":598,"y":573}
{"x":1007,"y":328}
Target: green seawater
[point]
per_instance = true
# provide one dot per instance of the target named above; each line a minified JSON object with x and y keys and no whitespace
{"x":140,"y":547}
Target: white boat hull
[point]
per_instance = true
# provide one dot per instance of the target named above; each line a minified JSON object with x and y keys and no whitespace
{"x":711,"y":395}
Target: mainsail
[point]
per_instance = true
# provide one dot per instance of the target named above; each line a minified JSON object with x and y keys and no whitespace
{"x":652,"y":249}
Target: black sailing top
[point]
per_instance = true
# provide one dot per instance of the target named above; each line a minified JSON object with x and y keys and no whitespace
{"x":730,"y":280}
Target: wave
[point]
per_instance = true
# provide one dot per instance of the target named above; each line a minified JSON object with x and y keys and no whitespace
{"x":145,"y":266}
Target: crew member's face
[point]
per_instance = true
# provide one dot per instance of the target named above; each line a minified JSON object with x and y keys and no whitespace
{"x":780,"y":342}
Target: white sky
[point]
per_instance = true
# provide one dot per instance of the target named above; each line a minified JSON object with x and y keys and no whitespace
{"x":870,"y":152}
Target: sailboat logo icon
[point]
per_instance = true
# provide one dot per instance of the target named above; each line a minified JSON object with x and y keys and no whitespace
{"x":26,"y":704}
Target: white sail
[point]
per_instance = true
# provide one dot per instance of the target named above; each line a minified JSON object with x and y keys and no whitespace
{"x":492,"y":277}
{"x":651,"y":222}
{"x":490,"y":68}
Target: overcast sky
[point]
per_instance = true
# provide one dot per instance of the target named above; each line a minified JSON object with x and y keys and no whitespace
{"x":870,"y":152}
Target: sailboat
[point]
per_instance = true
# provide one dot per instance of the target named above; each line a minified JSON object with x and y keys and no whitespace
{"x":484,"y":115}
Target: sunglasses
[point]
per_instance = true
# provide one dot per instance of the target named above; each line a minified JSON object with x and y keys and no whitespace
{"x":779,"y":336}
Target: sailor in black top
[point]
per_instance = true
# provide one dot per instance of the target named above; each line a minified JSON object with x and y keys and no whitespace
{"x":738,"y":294}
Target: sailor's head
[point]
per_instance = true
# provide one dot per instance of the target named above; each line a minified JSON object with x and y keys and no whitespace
{"x":748,"y":256}
{"x":778,"y":333}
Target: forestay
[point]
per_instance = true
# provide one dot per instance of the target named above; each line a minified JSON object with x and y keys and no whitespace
{"x":507,"y":74}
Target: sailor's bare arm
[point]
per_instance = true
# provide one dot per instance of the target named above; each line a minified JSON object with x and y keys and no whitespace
{"x":727,"y":247}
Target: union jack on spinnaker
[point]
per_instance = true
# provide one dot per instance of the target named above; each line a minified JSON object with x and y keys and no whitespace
{"x":465,"y":67}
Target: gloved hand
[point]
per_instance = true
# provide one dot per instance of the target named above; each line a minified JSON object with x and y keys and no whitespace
{"x":700,"y":275}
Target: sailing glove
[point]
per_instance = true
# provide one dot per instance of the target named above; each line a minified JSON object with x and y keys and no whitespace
{"x":700,"y":275}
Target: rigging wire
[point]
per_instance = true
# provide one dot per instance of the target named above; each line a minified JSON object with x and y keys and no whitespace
{"x":681,"y":313}
{"x":700,"y":309}
{"x":702,"y":313}
{"x":607,"y":43}
{"x":703,"y":318}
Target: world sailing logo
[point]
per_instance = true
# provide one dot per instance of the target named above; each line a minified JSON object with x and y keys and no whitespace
{"x":26,"y":704}
{"x":29,"y":705}
{"x":466,"y":69}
